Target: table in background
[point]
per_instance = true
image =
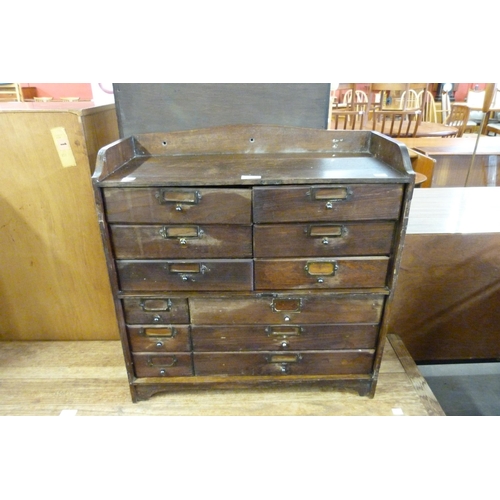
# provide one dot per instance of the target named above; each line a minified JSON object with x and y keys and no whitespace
{"x":453,"y":157}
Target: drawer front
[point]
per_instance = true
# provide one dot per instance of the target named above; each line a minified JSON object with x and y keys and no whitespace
{"x":163,"y":275}
{"x":178,"y":206}
{"x":155,"y":310}
{"x":279,"y":363}
{"x":159,"y":338}
{"x":177,"y":364}
{"x":322,"y":240}
{"x":283,"y":337}
{"x":287,"y":309}
{"x":181,"y":241}
{"x":360,"y":272}
{"x":327,"y":203}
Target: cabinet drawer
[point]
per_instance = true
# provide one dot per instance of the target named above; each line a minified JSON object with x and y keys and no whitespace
{"x":178,"y":206}
{"x":321,"y":240}
{"x":283,"y":337}
{"x":279,"y":363}
{"x":181,"y":241}
{"x":286,"y":309}
{"x":155,"y":310}
{"x":159,"y":338}
{"x":327,"y":203}
{"x":160,"y":275}
{"x":175,"y":364}
{"x":346,"y":272}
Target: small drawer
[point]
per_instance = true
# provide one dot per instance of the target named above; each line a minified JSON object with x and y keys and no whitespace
{"x":344,"y":272}
{"x":160,"y":275}
{"x":174,"y":364}
{"x":278,"y":309}
{"x":152,"y":310}
{"x":283,"y":337}
{"x":327,"y":203}
{"x":322,"y":240}
{"x":181,"y":241}
{"x":178,"y":205}
{"x":353,"y":362}
{"x":159,"y":338}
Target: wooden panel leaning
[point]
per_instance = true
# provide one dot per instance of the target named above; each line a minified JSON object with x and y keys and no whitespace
{"x":253,"y":255}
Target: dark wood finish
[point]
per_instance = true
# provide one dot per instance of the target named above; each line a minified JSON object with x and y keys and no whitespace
{"x":446,"y":303}
{"x":152,"y":107}
{"x":284,"y":338}
{"x":344,"y":272}
{"x":319,"y":203}
{"x":224,"y":180}
{"x":220,"y":274}
{"x":319,"y":240}
{"x":454,"y":156}
{"x":279,"y":309}
{"x":279,"y":363}
{"x":178,"y":206}
{"x":173,"y":364}
{"x":159,"y":338}
{"x":155,"y":310}
{"x":181,"y":241}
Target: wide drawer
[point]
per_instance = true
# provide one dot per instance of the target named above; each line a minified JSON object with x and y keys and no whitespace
{"x":181,"y":241}
{"x":352,"y":362}
{"x":161,"y":275}
{"x":178,"y":206}
{"x":327,"y":203}
{"x":155,"y":310}
{"x":175,"y":364}
{"x":159,"y":338}
{"x":287,"y":309}
{"x":344,"y":272}
{"x":322,"y":240}
{"x":284,"y":337}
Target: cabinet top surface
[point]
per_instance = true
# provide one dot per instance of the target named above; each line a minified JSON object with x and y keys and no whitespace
{"x":252,"y":170}
{"x":252,"y":155}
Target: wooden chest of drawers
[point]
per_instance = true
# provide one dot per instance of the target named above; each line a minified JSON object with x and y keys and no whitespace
{"x":253,"y":255}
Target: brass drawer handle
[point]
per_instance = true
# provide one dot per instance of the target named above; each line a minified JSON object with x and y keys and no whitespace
{"x":185,"y":268}
{"x":286,"y":305}
{"x":166,"y":196}
{"x":284,"y":331}
{"x":181,"y":233}
{"x":321,"y":268}
{"x":332,"y":194}
{"x":284,"y":358}
{"x":156,"y":305}
{"x":170,"y":361}
{"x":164,"y":332}
{"x":325,"y":232}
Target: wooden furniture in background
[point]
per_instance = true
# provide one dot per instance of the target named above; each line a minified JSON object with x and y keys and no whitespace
{"x":11,"y":92}
{"x":253,"y":255}
{"x":53,"y":278}
{"x":458,"y":118}
{"x":446,"y":304}
{"x":454,"y":157}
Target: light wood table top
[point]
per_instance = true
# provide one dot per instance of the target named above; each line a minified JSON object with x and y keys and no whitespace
{"x":462,"y":210}
{"x":89,"y":378}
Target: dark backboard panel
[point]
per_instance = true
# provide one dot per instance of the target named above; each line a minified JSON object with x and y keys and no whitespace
{"x":166,"y":107}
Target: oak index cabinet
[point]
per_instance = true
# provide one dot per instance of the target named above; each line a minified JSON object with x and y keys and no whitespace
{"x":249,"y":255}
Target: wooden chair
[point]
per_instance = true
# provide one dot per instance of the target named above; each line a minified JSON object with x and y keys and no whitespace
{"x":429,"y":111}
{"x":11,"y":92}
{"x":395,"y":113}
{"x":348,"y":113}
{"x":458,"y":118}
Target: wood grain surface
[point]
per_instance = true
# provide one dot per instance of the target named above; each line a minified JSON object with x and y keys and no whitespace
{"x":45,"y":378}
